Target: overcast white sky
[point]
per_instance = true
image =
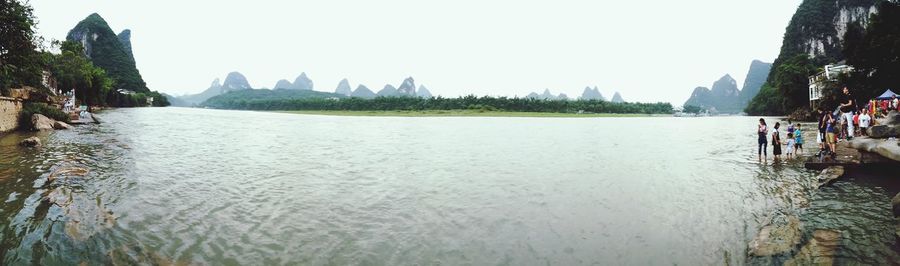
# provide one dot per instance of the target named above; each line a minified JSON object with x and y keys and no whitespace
{"x":647,"y":50}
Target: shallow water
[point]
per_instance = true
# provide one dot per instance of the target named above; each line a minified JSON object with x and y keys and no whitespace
{"x":160,"y":185}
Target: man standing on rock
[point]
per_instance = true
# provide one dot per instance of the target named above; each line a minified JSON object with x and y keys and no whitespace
{"x":847,"y":107}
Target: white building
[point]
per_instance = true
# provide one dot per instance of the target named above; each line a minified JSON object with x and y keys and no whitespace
{"x":819,"y":81}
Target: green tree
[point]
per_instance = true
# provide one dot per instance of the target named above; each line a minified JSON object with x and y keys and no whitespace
{"x":876,"y":54}
{"x":792,"y":81}
{"x":73,"y":71}
{"x":692,"y":109}
{"x":20,"y":62}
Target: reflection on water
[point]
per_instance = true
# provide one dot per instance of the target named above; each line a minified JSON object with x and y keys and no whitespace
{"x":175,"y":185}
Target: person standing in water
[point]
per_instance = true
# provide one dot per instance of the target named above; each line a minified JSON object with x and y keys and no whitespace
{"x":762,"y":130}
{"x":776,"y":142}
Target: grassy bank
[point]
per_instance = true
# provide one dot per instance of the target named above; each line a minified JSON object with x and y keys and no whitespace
{"x":459,"y":113}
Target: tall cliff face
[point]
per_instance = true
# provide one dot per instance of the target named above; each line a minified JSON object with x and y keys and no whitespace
{"x":816,"y":30}
{"x":756,"y":77}
{"x":106,"y":51}
{"x":125,"y":39}
{"x":818,"y":27}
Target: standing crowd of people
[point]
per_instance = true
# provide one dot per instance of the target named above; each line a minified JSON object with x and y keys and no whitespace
{"x":849,"y":119}
{"x":793,"y":143}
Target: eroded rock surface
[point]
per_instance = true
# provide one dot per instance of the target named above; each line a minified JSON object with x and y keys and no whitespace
{"x":777,"y":238}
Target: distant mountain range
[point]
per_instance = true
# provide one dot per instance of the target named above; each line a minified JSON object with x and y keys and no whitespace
{"x":235,"y":81}
{"x":725,"y":97}
{"x":588,"y":94}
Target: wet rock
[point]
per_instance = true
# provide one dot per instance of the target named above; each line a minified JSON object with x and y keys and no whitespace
{"x":884,"y":131}
{"x":67,"y":172}
{"x":40,"y":122}
{"x":887,"y":148}
{"x":820,"y":250}
{"x":776,"y":239}
{"x":31,"y":142}
{"x":895,"y":203}
{"x":829,"y":175}
{"x":893,"y":118}
{"x":61,"y":125}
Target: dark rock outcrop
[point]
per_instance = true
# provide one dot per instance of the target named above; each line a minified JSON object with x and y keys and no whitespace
{"x":31,"y":142}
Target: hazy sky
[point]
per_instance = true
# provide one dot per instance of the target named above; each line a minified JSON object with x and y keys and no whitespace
{"x":647,"y":50}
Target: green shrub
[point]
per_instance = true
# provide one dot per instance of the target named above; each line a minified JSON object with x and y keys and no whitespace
{"x":32,"y":108}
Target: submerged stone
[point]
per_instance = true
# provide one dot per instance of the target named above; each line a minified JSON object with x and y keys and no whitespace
{"x":776,"y":239}
{"x":829,"y":175}
{"x":31,"y":142}
{"x":61,"y":125}
{"x":820,"y":250}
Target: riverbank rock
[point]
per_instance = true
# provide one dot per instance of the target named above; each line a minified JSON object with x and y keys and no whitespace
{"x":61,"y":125}
{"x":820,"y":250}
{"x":31,"y":142}
{"x":884,"y":131}
{"x":776,"y":239}
{"x":40,"y":122}
{"x":895,"y":204}
{"x":888,"y":148}
{"x":829,"y":175}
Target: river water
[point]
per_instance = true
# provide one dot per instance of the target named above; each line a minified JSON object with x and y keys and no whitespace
{"x":196,"y":186}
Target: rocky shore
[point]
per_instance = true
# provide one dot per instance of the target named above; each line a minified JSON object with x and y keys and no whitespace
{"x":40,"y":122}
{"x":783,"y":241}
{"x":882,"y":139}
